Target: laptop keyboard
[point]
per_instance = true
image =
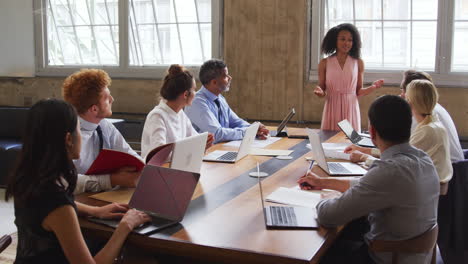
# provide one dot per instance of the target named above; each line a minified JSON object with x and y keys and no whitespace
{"x":228,"y":156}
{"x":283,"y":216}
{"x":337,"y":168}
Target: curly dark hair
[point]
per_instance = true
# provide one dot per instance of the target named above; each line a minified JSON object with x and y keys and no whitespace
{"x":177,"y":81}
{"x":44,"y":165}
{"x":330,"y":39}
{"x":82,"y":89}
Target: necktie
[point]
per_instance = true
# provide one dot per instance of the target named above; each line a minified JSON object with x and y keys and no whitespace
{"x":220,"y":113}
{"x":99,"y":133}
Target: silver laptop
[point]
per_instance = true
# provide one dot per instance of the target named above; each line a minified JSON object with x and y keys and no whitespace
{"x":353,"y":135}
{"x":188,"y":153}
{"x":234,"y":156}
{"x":287,"y":217}
{"x":279,"y":131}
{"x":332,"y":168}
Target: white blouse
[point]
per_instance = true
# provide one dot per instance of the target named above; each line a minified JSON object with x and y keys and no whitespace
{"x":433,"y":139}
{"x":163,"y":125}
{"x":456,"y":152}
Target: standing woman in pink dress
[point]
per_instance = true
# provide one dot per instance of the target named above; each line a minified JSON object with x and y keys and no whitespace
{"x":340,"y":77}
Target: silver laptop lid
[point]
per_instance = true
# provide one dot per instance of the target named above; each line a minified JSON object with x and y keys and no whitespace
{"x":188,"y":153}
{"x":286,"y":120}
{"x":349,"y":131}
{"x":317,"y":149}
{"x":247,"y":141}
{"x":261,"y":194}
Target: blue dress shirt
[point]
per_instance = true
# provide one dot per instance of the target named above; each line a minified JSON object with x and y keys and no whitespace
{"x":207,"y":117}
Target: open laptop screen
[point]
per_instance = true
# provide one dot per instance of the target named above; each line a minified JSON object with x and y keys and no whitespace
{"x":164,"y":192}
{"x":348,"y":130}
{"x":285,"y":120}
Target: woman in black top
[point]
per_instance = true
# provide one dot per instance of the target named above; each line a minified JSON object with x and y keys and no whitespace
{"x":42,"y":187}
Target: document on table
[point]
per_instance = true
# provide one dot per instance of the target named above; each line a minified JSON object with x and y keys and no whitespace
{"x":269,"y":152}
{"x":256,"y":144}
{"x":334,"y":150}
{"x":121,"y":195}
{"x":294,"y":196}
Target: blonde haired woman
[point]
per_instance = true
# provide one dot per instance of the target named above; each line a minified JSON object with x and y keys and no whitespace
{"x":429,"y":135}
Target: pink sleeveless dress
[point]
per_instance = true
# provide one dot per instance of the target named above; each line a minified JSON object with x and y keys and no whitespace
{"x":341,"y":100}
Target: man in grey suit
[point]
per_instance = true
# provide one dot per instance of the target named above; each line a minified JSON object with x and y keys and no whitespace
{"x":399,"y":193}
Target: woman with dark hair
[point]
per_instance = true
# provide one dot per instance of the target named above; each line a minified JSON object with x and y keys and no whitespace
{"x":341,"y":77}
{"x":42,"y":188}
{"x":167,"y":122}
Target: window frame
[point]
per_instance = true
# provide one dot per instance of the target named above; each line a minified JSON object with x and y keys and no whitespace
{"x":124,"y":69}
{"x":442,"y":75}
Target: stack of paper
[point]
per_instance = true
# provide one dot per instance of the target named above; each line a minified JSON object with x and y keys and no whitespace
{"x":293,"y":196}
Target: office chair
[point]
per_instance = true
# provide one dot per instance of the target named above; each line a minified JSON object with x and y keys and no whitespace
{"x":423,"y":243}
{"x":5,"y":241}
{"x":453,"y":216}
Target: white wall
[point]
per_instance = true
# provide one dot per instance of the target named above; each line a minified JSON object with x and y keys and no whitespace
{"x":17,"y":38}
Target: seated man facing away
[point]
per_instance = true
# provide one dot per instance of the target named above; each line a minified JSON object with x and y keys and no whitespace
{"x":399,"y":193}
{"x":87,"y":90}
{"x":210,"y":112}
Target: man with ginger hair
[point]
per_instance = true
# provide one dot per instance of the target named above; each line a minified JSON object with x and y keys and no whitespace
{"x":88,"y":91}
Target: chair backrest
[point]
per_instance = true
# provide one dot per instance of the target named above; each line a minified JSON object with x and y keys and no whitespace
{"x":13,"y":120}
{"x":424,"y":243}
{"x":5,"y":241}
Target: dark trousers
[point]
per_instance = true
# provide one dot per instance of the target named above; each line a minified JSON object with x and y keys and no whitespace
{"x":350,"y":246}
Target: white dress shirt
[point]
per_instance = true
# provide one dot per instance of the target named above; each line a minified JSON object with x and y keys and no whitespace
{"x":112,"y":139}
{"x":163,"y":125}
{"x":456,"y":152}
{"x":432,"y":139}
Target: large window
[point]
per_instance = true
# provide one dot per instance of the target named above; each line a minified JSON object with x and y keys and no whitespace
{"x":128,"y":38}
{"x":397,"y":35}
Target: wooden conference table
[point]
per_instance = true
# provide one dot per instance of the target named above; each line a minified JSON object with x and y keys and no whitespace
{"x":224,"y":222}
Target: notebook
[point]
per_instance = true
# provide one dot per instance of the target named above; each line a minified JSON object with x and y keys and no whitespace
{"x":279,"y":131}
{"x":354,"y":136}
{"x":287,"y":217}
{"x":332,"y":168}
{"x":164,"y":194}
{"x":234,"y":156}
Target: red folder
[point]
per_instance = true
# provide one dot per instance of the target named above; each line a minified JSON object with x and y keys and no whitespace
{"x":109,"y":161}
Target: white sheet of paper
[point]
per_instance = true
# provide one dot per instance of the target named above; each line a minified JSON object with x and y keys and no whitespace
{"x":294,"y":196}
{"x":270,"y":152}
{"x":336,"y":146}
{"x":256,"y":144}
